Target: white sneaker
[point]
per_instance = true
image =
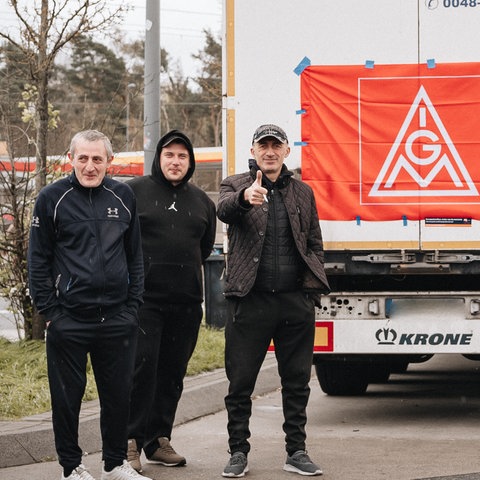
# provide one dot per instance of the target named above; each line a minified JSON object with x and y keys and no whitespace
{"x":122,"y":472}
{"x":80,"y":473}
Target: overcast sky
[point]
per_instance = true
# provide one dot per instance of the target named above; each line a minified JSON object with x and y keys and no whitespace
{"x":181,"y":25}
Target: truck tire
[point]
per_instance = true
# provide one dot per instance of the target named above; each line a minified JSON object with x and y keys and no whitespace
{"x":472,"y":356}
{"x":399,"y":366}
{"x":342,"y":379}
{"x":379,"y":372}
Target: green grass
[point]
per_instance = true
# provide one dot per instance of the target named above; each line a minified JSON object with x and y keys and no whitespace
{"x":23,"y":373}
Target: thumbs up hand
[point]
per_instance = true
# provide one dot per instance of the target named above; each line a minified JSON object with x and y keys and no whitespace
{"x":256,"y":194}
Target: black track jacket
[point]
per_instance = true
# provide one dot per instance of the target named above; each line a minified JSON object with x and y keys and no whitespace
{"x":85,"y":250}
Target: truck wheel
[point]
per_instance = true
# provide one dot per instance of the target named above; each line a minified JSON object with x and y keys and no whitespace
{"x":472,"y":356}
{"x":342,"y":378}
{"x":399,"y":366}
{"x":379,"y":373}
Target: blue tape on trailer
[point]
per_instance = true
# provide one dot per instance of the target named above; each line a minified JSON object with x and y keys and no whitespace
{"x":358,"y":219}
{"x":405,"y":221}
{"x":300,"y":144}
{"x":388,"y":306}
{"x":301,"y":112}
{"x":369,"y":64}
{"x":302,"y":65}
{"x":431,"y":63}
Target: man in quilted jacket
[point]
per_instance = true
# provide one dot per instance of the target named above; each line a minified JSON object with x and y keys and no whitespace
{"x":274,"y":278}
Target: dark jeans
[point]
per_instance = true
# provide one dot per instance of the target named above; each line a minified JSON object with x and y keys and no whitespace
{"x":111,"y":344}
{"x":167,"y":339}
{"x":288,"y":319}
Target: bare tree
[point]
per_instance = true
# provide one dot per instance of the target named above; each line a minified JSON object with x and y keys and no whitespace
{"x":16,"y":198}
{"x":45,"y":28}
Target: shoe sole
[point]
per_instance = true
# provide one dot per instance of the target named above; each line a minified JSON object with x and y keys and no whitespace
{"x":233,"y":475}
{"x":290,"y":468}
{"x":165,"y":464}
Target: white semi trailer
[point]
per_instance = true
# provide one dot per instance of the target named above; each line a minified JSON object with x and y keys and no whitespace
{"x":381,"y":103}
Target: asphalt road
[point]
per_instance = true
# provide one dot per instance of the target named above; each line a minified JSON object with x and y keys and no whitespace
{"x":422,"y":424}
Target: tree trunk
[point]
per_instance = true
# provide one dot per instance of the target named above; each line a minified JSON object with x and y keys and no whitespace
{"x":42,"y":101}
{"x":37,"y":331}
{"x":38,"y":326}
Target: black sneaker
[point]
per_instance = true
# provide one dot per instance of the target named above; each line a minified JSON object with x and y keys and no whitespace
{"x":237,"y":466}
{"x":300,"y":463}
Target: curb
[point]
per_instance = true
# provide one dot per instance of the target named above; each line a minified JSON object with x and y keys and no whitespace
{"x":30,"y":440}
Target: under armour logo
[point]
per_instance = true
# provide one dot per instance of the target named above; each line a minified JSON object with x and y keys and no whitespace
{"x":172,"y":207}
{"x":112,"y":212}
{"x":35,"y":221}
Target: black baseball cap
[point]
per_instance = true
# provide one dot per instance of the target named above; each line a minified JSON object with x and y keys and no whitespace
{"x":269,"y":130}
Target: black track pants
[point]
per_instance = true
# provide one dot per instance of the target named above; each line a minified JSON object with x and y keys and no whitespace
{"x":288,"y":319}
{"x":167,"y":338}
{"x":111,"y":344}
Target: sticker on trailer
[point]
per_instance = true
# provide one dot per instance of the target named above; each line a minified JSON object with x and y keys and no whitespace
{"x":324,"y":332}
{"x":323,"y":341}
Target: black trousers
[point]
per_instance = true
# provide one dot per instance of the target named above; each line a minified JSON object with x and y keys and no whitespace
{"x":168,"y":336}
{"x":111,"y":345}
{"x":256,"y":319}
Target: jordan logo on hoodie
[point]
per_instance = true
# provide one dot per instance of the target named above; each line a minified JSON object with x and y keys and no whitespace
{"x":172,"y":207}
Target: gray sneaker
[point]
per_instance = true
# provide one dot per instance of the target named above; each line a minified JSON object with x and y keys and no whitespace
{"x":237,"y":466}
{"x":300,"y":463}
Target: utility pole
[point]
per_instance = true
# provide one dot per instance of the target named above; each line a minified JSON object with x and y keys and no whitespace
{"x":127,"y":114}
{"x":152,"y":83}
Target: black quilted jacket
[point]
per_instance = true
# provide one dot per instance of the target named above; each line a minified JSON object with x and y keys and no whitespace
{"x":246,"y":228}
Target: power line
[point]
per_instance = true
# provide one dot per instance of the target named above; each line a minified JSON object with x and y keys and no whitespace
{"x":171,"y":10}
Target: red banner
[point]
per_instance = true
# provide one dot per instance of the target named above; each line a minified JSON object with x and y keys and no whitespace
{"x":393,"y":141}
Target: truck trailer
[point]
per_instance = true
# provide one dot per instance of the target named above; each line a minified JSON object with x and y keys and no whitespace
{"x":381,"y":103}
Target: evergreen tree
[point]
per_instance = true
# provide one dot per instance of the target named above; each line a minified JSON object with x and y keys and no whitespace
{"x":210,"y":83}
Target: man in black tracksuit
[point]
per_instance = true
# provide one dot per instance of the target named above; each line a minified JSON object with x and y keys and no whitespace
{"x":86,"y":278}
{"x":178,"y":231}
